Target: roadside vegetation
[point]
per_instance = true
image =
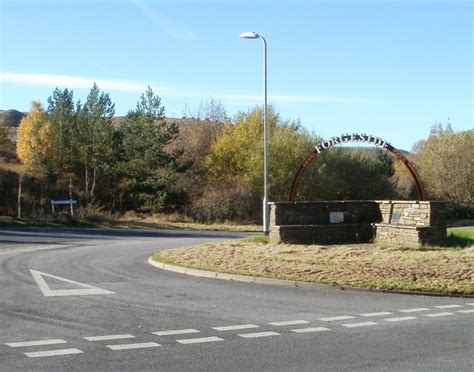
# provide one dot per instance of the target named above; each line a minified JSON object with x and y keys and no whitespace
{"x":153,"y":222}
{"x":205,"y":167}
{"x":445,"y":269}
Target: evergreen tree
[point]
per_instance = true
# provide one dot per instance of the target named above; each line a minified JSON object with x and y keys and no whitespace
{"x":62,"y":117}
{"x":147,"y":168}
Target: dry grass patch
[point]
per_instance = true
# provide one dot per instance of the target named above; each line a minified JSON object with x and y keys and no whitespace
{"x":443,"y":270}
{"x":167,"y":222}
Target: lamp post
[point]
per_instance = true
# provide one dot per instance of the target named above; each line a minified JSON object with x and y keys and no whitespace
{"x":266,"y":217}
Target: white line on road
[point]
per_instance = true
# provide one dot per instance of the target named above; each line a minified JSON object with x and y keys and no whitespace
{"x":470,"y":303}
{"x":414,"y":310}
{"x":259,"y":334}
{"x":381,"y":313}
{"x":108,"y":337}
{"x":466,"y":311}
{"x":434,"y":315}
{"x":175,"y":332}
{"x":400,"y":319}
{"x":199,"y":340}
{"x":289,"y":322}
{"x":46,"y":353}
{"x":448,"y":306}
{"x":35,"y":343}
{"x":363,"y":324}
{"x":142,"y":345}
{"x":334,"y":318}
{"x":235,"y":327}
{"x":86,"y":289}
{"x":311,"y":329}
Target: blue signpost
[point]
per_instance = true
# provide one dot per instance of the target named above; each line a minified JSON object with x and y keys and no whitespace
{"x":70,"y":202}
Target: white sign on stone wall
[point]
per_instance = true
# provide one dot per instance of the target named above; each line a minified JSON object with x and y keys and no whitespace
{"x":336,"y":217}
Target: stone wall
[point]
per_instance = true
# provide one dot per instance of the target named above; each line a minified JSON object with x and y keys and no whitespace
{"x":339,"y":222}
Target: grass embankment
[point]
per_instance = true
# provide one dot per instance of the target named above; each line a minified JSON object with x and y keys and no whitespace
{"x":152,"y":222}
{"x":446,"y":269}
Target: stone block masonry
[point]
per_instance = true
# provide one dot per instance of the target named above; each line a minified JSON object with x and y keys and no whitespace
{"x":340,"y":222}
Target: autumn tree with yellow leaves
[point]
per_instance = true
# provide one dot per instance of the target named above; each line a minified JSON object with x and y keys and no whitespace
{"x":33,"y":141}
{"x":32,"y":146}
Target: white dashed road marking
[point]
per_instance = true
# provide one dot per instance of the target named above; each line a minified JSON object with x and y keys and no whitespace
{"x":400,"y":319}
{"x":289,"y":322}
{"x":142,"y":345}
{"x":108,"y":337}
{"x":335,"y":318}
{"x":47,"y":353}
{"x":176,"y":332}
{"x":381,"y":313}
{"x":35,"y":343}
{"x":447,"y":306}
{"x":414,"y":310}
{"x":311,"y":329}
{"x":235,"y":327}
{"x":435,"y":315}
{"x":58,"y":352}
{"x":363,"y":324}
{"x":259,"y":334}
{"x":199,"y":340}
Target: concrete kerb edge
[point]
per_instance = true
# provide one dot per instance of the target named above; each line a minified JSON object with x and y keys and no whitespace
{"x":286,"y":283}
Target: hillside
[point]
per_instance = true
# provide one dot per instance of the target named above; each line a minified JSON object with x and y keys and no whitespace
{"x":11,"y":118}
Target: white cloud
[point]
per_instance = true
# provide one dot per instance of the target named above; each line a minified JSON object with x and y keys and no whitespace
{"x":75,"y":82}
{"x":67,"y":81}
{"x":168,"y":25}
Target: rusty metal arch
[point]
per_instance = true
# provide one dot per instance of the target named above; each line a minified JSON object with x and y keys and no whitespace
{"x":385,"y":145}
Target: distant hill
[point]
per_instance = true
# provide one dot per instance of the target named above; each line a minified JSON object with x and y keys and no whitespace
{"x":11,"y":118}
{"x":372,"y":149}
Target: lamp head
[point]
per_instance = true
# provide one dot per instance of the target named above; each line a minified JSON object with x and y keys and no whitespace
{"x":249,"y":35}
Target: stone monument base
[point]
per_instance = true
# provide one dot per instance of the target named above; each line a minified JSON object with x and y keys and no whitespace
{"x":348,"y":222}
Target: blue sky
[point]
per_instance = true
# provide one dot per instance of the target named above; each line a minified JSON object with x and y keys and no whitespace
{"x":388,"y":68}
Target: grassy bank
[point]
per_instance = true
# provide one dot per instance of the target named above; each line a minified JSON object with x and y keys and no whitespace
{"x":152,"y":222}
{"x":430,"y":269}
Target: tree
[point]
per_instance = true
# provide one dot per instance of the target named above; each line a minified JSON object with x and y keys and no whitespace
{"x":62,"y":119}
{"x":438,"y":129}
{"x":335,"y":174}
{"x":212,"y":110}
{"x":237,"y":155}
{"x":236,"y":149}
{"x":418,"y":146}
{"x":195,"y":140}
{"x":347,"y":174}
{"x":33,"y":145}
{"x":147,"y":170}
{"x":33,"y":140}
{"x":7,"y":147}
{"x":446,"y":168}
{"x":93,"y":136}
{"x":3,"y":133}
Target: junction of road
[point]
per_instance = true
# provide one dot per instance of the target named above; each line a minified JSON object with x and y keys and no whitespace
{"x":88,"y":300}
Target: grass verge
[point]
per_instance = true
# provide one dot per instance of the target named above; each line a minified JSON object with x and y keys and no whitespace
{"x":153,"y":223}
{"x":446,"y":270}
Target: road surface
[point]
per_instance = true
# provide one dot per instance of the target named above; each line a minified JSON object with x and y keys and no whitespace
{"x":87,"y":300}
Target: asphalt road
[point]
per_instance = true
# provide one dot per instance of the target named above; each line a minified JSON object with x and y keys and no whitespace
{"x":87,"y":300}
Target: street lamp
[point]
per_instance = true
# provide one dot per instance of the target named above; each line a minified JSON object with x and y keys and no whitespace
{"x":266,"y":217}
